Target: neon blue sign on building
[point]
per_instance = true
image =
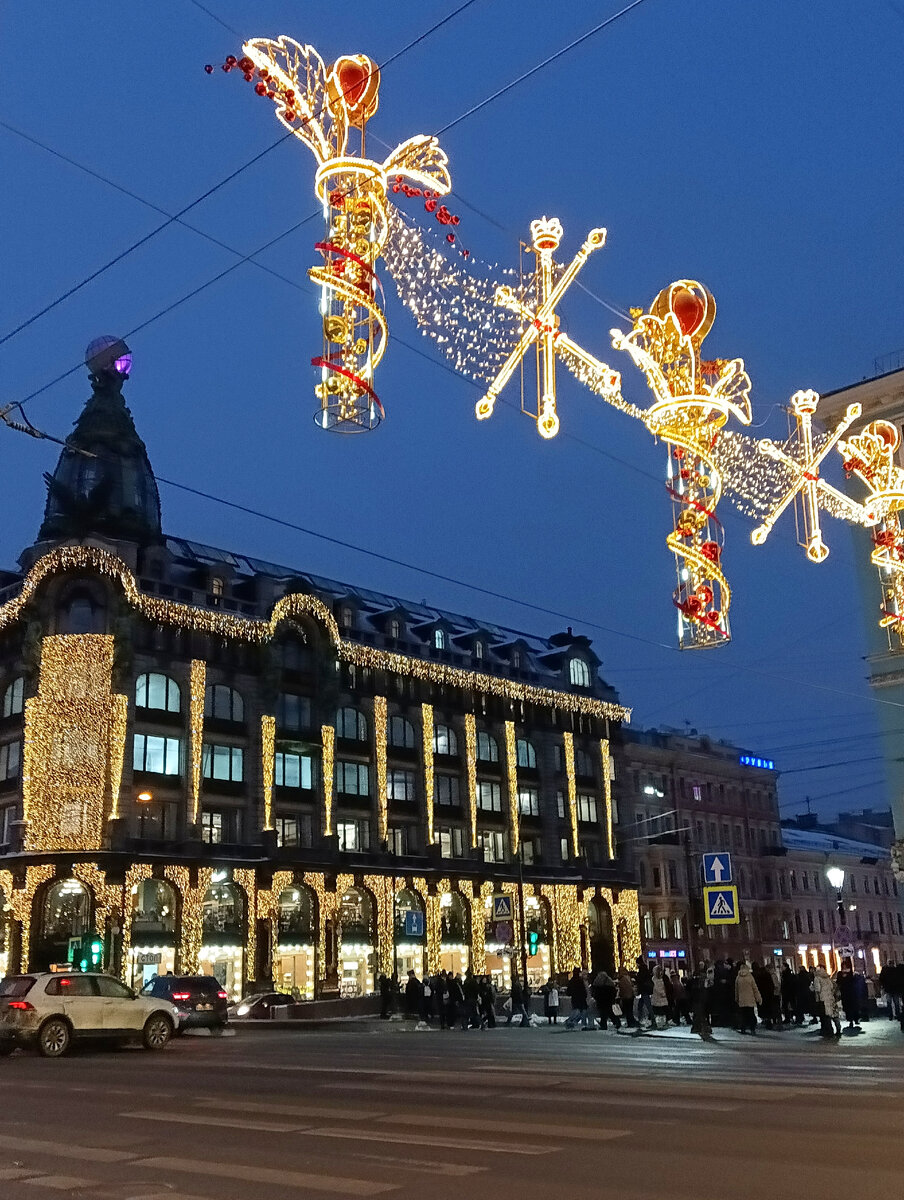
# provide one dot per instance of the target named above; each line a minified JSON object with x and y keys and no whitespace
{"x":747,"y":760}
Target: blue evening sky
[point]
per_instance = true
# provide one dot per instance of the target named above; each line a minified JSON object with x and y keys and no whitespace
{"x":753,"y":146}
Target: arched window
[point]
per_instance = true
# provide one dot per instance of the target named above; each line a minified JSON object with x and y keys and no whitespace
{"x":296,"y":915}
{"x":346,"y":617}
{"x":294,"y":654}
{"x":487,"y":750}
{"x":478,"y":649}
{"x":440,"y":640}
{"x":401,"y":733}
{"x":579,"y":672}
{"x":157,"y":691}
{"x":222,"y":913}
{"x":444,"y":740}
{"x":80,"y":614}
{"x":395,"y":628}
{"x":516,"y":660}
{"x":223,"y":703}
{"x":351,"y":724}
{"x":153,"y":908}
{"x":14,"y":698}
{"x":65,"y":914}
{"x":527,"y":755}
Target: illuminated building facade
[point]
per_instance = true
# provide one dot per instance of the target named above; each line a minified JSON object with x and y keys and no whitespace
{"x":221,"y":764}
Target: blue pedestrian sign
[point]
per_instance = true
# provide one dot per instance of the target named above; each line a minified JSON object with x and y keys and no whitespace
{"x":721,"y":905}
{"x":717,"y":868}
{"x":414,"y":924}
{"x":502,"y":908}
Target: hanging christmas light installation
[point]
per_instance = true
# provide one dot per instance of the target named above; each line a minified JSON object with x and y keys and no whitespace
{"x":541,"y":325}
{"x":693,"y":400}
{"x":320,"y":105}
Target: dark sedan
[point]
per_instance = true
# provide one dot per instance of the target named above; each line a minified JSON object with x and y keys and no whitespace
{"x":201,"y":1000}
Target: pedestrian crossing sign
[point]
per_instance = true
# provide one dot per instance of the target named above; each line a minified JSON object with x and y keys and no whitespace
{"x":721,"y":905}
{"x":502,"y":908}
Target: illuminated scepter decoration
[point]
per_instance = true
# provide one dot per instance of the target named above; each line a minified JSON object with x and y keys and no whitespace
{"x":694,"y":399}
{"x":542,"y":326}
{"x":319,"y":105}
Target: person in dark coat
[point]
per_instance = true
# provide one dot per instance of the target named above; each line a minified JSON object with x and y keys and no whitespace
{"x":487,"y":1002}
{"x":413,"y":992}
{"x":847,"y":987}
{"x":471,"y":1013}
{"x":789,"y":992}
{"x":577,"y":992}
{"x":605,"y":991}
{"x":455,"y":999}
{"x":699,"y":993}
{"x":803,"y":999}
{"x":643,"y":981}
{"x":517,"y":1002}
{"x":385,"y":985}
{"x":767,"y":994}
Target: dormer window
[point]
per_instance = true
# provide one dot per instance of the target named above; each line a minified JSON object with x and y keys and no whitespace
{"x":516,"y":659}
{"x":217,"y":586}
{"x":478,"y":649}
{"x":440,"y":641}
{"x":395,"y":628}
{"x":579,"y":673}
{"x":346,"y":617}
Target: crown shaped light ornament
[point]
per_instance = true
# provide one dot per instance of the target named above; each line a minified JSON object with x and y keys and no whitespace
{"x":320,"y":105}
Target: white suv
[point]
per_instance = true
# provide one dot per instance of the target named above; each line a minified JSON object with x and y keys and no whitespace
{"x":49,"y":1010}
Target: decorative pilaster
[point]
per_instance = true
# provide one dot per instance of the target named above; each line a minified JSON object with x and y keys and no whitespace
{"x":511,"y":773}
{"x":471,"y":763}
{"x":606,"y":773}
{"x":327,"y":770}
{"x":268,"y":746}
{"x":380,"y":761}
{"x":568,"y":743}
{"x":197,"y":684}
{"x":119,"y":719}
{"x":427,"y":743}
{"x":192,"y":915}
{"x":246,"y":878}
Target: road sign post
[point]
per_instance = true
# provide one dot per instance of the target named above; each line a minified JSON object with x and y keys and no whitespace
{"x":721,"y":905}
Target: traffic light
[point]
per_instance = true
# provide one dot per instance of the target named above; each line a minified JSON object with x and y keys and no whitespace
{"x":533,"y":942}
{"x":86,"y":953}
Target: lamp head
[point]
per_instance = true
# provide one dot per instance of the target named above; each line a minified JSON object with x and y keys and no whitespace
{"x":109,"y":355}
{"x":835,"y":876}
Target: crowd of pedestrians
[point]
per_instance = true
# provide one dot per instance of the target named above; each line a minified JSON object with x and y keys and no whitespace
{"x":741,"y":995}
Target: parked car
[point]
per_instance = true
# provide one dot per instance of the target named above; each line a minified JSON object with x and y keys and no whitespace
{"x":200,"y":1000}
{"x":50,"y":1010}
{"x":258,"y":1006}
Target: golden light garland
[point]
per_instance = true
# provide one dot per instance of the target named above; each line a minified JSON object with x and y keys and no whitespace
{"x":268,"y":910}
{"x":427,"y":748}
{"x":548,"y":893}
{"x":477,"y":957}
{"x":197,"y":687}
{"x":567,"y":916}
{"x":135,"y":875}
{"x":107,"y":897}
{"x":568,"y":747}
{"x":471,"y":765}
{"x":511,"y":778}
{"x":21,"y":901}
{"x":319,"y":104}
{"x":246,"y":879}
{"x":606,"y":775}
{"x":192,"y":931}
{"x":227,"y":625}
{"x":327,"y":771}
{"x":67,"y":743}
{"x":380,"y":765}
{"x":382,"y":889}
{"x":626,"y":927}
{"x":119,"y":722}
{"x":318,"y":886}
{"x":268,"y":747}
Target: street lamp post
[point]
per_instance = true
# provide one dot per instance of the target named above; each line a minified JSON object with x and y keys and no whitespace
{"x":835,"y":876}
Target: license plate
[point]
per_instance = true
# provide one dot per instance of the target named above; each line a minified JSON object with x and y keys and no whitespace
{"x":203,"y":1007}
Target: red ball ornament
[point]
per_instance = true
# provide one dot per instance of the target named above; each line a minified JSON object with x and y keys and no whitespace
{"x":208,"y":69}
{"x":246,"y":63}
{"x":450,"y":237}
{"x":231,"y":60}
{"x":260,"y":88}
{"x":689,"y":310}
{"x":248,"y":76}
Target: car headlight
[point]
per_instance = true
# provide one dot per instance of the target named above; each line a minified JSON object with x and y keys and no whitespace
{"x":242,"y":1010}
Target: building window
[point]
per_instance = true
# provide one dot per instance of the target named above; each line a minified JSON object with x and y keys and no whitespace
{"x":678,"y":927}
{"x":161,"y":755}
{"x":876,"y":884}
{"x":792,"y":876}
{"x":647,"y":924}
{"x":451,"y":841}
{"x":821,"y":919}
{"x":10,"y":759}
{"x":346,"y":617}
{"x":900,"y":924}
{"x":529,"y":801}
{"x":223,"y":762}
{"x":642,"y":874}
{"x":560,"y":805}
{"x":294,"y":655}
{"x":673,"y":876}
{"x":881,"y":922}
{"x":487,"y":750}
{"x":586,"y":807}
{"x":564,"y":850}
{"x":400,"y":785}
{"x":579,"y":673}
{"x":478,"y":649}
{"x":401,"y":733}
{"x":293,"y":712}
{"x":663,"y":928}
{"x":217,"y":586}
{"x":446,"y":790}
{"x":398,"y":840}
{"x":657,"y":879}
{"x":293,"y":770}
{"x":853,"y":884}
{"x":444,"y":740}
{"x":223,"y":703}
{"x":353,"y":835}
{"x":516,"y":660}
{"x":489,"y":798}
{"x":211,"y":826}
{"x":492,"y":843}
{"x":805,"y":880}
{"x":159,"y":692}
{"x":395,"y":628}
{"x":440,"y":640}
{"x":351,"y":725}
{"x":698,"y":792}
{"x":294,"y":831}
{"x":14,"y":698}
{"x":582,"y":763}
{"x":809,"y":921}
{"x":526,"y":755}
{"x":352,"y":779}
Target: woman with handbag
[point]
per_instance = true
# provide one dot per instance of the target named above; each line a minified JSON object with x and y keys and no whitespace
{"x":605,"y":993}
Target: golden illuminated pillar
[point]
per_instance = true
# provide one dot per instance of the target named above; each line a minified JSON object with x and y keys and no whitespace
{"x":478,"y":948}
{"x":606,"y":776}
{"x":568,"y":742}
{"x":197,"y":684}
{"x":511,"y":773}
{"x":268,"y":758}
{"x":471,"y":763}
{"x":119,"y":720}
{"x":328,"y":782}
{"x":626,"y":927}
{"x":427,"y":745}
{"x":380,"y":761}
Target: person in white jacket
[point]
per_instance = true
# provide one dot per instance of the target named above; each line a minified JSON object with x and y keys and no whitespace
{"x":828,"y":1003}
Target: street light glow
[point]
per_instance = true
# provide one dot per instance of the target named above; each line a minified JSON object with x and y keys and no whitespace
{"x":835,"y":876}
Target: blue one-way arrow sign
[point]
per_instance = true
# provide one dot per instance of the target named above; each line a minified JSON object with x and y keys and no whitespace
{"x":717,"y":868}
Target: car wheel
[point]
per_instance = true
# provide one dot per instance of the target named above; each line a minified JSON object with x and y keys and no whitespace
{"x":54,"y":1037}
{"x":158,"y":1029}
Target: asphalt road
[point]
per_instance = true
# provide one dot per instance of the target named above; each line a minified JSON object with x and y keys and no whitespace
{"x":506,"y":1113}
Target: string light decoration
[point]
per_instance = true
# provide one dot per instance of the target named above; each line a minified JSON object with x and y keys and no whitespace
{"x":566,"y":914}
{"x":382,"y":889}
{"x":541,"y":324}
{"x":511,"y":779}
{"x":192,"y":933}
{"x":250,"y":629}
{"x":197,"y":677}
{"x":427,"y":751}
{"x":246,"y":879}
{"x":320,"y":105}
{"x":67,"y":743}
{"x":325,"y":907}
{"x":135,"y":875}
{"x":626,"y":922}
{"x":106,"y":897}
{"x":805,"y":466}
{"x":267,"y":900}
{"x":328,"y":743}
{"x":477,"y":956}
{"x":380,"y":763}
{"x":471,"y":767}
{"x":568,"y":746}
{"x":21,"y":901}
{"x":119,"y":721}
{"x":433,"y":921}
{"x":606,"y":775}
{"x":693,"y":400}
{"x":268,"y":759}
{"x":870,"y":455}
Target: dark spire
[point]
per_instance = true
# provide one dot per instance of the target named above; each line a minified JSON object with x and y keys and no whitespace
{"x":103,"y":483}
